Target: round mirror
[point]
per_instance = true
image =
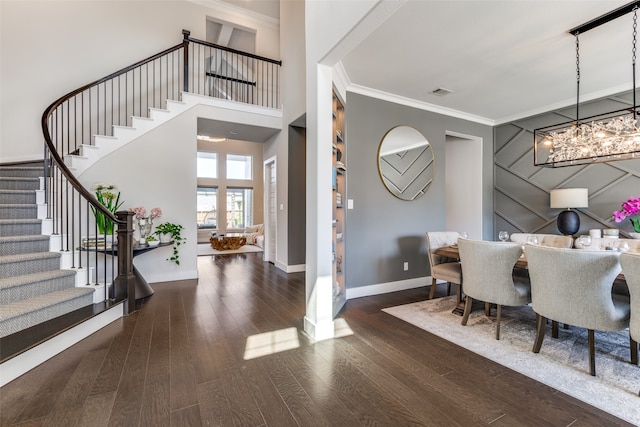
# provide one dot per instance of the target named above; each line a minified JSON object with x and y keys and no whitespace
{"x":405,"y":162}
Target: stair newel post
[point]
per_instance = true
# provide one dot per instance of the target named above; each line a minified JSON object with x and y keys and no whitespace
{"x":185,"y":52}
{"x":125,"y":282}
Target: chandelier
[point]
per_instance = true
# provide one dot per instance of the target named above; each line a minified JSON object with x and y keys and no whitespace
{"x":602,"y":138}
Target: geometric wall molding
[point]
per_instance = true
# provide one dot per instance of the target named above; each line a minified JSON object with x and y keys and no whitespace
{"x":521,"y":190}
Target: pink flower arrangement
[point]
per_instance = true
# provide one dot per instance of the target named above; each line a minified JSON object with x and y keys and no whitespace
{"x":630,"y":209}
{"x":141,"y":212}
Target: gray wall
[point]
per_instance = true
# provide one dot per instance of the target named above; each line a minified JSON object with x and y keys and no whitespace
{"x":383,"y":232}
{"x":297,"y":196}
{"x":522,"y":189}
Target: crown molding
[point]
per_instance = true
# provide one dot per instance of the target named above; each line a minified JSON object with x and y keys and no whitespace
{"x":616,"y":90}
{"x":396,"y":99}
{"x":241,"y":12}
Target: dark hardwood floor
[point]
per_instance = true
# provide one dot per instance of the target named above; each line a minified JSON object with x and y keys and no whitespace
{"x":180,"y":361}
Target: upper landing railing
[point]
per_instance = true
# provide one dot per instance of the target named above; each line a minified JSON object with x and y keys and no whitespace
{"x":193,"y":66}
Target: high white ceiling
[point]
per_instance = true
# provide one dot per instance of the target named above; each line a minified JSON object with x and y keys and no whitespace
{"x":501,"y":59}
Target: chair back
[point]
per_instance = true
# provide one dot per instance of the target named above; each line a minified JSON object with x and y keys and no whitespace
{"x":552,"y":240}
{"x":555,"y":241}
{"x":574,"y":287}
{"x":439,"y":239}
{"x":602,"y":243}
{"x":630,"y":263}
{"x":487,"y":268}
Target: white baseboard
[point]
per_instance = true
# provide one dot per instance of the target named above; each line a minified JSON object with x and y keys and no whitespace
{"x":384,"y":288}
{"x":171,"y":277}
{"x":297,"y":268}
{"x":22,"y":363}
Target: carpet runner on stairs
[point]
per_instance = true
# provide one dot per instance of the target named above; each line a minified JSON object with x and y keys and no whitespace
{"x":33,"y":287}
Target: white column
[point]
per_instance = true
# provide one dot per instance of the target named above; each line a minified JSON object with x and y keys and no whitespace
{"x":318,"y":321}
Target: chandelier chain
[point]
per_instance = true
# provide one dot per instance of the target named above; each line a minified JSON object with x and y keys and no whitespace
{"x":635,"y":33}
{"x":577,"y":77}
{"x":633,"y":58}
{"x":578,"y":57}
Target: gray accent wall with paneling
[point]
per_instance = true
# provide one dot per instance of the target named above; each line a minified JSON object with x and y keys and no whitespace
{"x":521,"y":194}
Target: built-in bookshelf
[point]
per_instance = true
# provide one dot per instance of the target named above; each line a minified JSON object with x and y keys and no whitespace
{"x":339,"y":204}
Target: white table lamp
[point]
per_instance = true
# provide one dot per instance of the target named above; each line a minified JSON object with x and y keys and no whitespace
{"x":566,"y":198}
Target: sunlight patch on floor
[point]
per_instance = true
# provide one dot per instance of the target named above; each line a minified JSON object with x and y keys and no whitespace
{"x":271,"y":342}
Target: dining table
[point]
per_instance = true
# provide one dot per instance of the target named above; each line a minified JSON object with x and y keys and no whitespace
{"x":453,"y":253}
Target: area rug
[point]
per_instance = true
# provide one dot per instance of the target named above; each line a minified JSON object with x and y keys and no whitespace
{"x":562,"y":363}
{"x":206,"y":249}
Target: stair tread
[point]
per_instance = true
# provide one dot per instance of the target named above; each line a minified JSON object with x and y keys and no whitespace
{"x":19,"y":178}
{"x":29,"y":168}
{"x":9,"y":282}
{"x":24,"y":238}
{"x":4,"y":190}
{"x":21,"y":221}
{"x":30,"y":305}
{"x":7,"y":259}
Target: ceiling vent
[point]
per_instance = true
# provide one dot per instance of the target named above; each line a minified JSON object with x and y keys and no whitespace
{"x":441,"y":92}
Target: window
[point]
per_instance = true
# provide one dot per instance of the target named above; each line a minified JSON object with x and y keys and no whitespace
{"x":207,"y":208}
{"x":207,"y":165}
{"x":238,"y":166}
{"x":239,"y":207}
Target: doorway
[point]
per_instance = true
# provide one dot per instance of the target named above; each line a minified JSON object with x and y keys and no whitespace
{"x":270,"y":210}
{"x":463,"y":184}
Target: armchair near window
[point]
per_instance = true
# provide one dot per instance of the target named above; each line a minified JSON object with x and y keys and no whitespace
{"x":488,"y":271}
{"x":574,"y":287}
{"x":443,"y":268}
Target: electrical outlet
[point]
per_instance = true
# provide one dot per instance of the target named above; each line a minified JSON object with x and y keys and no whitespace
{"x":406,"y":266}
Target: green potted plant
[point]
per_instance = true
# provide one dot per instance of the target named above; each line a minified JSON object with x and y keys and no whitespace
{"x":174,"y":232}
{"x":109,"y":196}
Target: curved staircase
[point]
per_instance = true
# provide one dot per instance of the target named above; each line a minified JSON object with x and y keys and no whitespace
{"x":33,"y":287}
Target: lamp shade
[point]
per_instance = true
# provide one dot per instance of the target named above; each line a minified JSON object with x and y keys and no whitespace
{"x":569,"y":198}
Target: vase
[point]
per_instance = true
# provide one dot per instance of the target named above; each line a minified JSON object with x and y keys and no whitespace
{"x":144,"y":227}
{"x":165,"y":238}
{"x":634,"y":235}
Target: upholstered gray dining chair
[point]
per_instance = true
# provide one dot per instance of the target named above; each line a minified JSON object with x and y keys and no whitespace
{"x":443,"y":268}
{"x":553,"y":240}
{"x":573,"y":287}
{"x":630,"y":263}
{"x":487,"y":268}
